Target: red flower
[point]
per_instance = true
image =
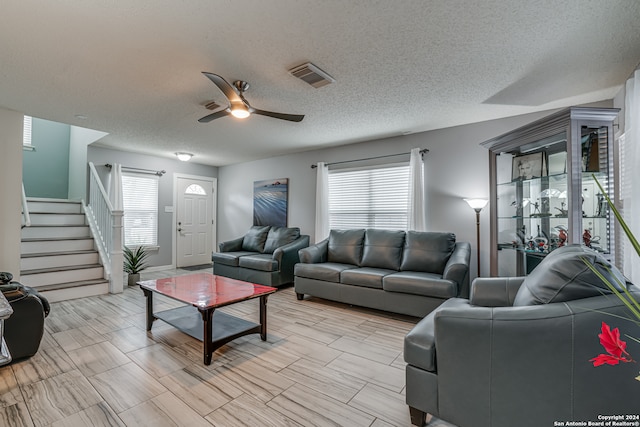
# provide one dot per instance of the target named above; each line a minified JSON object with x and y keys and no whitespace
{"x":612,"y":343}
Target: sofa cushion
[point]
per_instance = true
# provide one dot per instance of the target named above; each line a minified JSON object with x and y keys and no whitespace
{"x":427,"y":251}
{"x":345,"y":246}
{"x":563,"y":275}
{"x":229,"y":258}
{"x":261,"y":262}
{"x":417,"y":283}
{"x":327,"y":271}
{"x":280,"y":236}
{"x":382,"y":249}
{"x":367,"y":277}
{"x":255,"y":238}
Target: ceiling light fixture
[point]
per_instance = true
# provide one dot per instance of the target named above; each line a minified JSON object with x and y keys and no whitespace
{"x":240,"y":111}
{"x":185,"y":157}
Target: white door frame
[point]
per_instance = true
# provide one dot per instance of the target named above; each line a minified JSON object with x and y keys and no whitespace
{"x":214,"y":212}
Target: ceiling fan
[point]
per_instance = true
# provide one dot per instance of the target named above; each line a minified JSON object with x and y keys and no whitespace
{"x":238,"y":106}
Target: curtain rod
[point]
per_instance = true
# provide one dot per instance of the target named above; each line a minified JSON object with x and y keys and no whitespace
{"x":422,"y":153}
{"x":150,"y":171}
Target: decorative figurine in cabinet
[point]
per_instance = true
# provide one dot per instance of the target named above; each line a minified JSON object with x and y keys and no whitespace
{"x":544,"y":193}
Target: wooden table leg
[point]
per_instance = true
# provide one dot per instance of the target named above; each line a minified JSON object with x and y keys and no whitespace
{"x":263,"y":317}
{"x":207,"y":322}
{"x":150,"y":317}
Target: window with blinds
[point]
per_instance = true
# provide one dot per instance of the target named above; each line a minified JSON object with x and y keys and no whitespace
{"x":140,"y":202}
{"x":375,"y":197}
{"x":26,"y":132}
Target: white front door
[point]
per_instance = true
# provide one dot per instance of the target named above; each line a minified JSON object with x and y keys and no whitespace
{"x":194,"y":220}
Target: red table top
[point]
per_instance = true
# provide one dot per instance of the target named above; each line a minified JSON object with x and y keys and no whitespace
{"x":205,"y":290}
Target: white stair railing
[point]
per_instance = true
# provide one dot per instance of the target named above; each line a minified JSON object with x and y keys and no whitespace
{"x":25,"y":209}
{"x":106,"y":226}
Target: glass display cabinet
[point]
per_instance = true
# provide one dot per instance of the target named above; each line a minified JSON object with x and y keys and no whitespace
{"x":544,"y":193}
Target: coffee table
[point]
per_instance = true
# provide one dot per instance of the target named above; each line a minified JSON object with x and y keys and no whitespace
{"x":206,"y":292}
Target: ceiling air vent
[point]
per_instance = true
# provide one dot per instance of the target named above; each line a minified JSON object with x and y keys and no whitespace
{"x":312,"y":75}
{"x":212,"y":105}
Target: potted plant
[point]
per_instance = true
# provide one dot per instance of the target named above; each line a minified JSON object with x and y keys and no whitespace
{"x":134,"y":263}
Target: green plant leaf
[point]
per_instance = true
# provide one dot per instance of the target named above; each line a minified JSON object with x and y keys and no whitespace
{"x":134,"y":259}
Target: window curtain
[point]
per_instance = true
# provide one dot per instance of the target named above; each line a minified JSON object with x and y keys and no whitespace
{"x":630,"y":155}
{"x":322,"y":202}
{"x":115,"y":187}
{"x":416,"y":220}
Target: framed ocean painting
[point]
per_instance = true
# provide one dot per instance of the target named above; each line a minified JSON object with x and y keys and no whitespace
{"x":270,"y":202}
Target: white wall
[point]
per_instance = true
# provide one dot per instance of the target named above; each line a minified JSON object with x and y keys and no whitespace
{"x":11,"y":123}
{"x":456,"y":167}
{"x":166,"y":227}
{"x":79,"y":139}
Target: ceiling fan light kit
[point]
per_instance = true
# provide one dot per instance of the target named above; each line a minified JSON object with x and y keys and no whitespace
{"x":240,"y":112}
{"x":238,"y":106}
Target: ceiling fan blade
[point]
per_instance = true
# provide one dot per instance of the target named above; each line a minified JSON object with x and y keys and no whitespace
{"x":216,"y":115}
{"x":282,"y":116}
{"x":225,"y":87}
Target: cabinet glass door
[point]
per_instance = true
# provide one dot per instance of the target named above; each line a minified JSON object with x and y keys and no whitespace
{"x":596,"y":231}
{"x":532,"y":203}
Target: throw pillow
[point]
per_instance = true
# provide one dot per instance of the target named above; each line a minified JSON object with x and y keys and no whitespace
{"x":255,"y":238}
{"x":383,"y":249}
{"x":563,"y":275}
{"x":427,"y":251}
{"x":280,"y":236}
{"x":345,"y":246}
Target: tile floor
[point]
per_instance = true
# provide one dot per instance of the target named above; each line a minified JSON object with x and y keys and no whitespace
{"x":324,"y":364}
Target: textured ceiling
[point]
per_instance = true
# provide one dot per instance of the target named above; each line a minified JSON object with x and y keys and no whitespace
{"x":133,"y":68}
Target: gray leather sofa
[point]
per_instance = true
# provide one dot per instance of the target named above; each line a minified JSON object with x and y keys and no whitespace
{"x":402,"y":272}
{"x":265,"y":255}
{"x":518,"y":351}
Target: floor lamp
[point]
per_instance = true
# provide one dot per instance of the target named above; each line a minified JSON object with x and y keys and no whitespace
{"x":477,"y":205}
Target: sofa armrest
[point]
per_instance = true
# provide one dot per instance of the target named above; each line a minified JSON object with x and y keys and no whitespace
{"x":457,"y":268}
{"x":494,"y":291}
{"x":287,"y":256}
{"x":315,"y":254}
{"x":231,"y":245}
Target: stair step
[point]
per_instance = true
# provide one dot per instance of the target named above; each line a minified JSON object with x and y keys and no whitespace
{"x":50,"y":276}
{"x":53,"y":206}
{"x":46,"y":218}
{"x":72,"y":290}
{"x":55,"y":232}
{"x":34,"y":245}
{"x":58,"y":259}
{"x":58,"y":253}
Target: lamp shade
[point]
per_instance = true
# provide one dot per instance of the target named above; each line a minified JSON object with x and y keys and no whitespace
{"x":477,"y":204}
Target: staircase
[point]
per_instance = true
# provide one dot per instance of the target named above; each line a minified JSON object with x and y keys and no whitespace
{"x":58,"y":255}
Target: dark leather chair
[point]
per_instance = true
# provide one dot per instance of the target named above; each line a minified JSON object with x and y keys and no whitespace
{"x":23,"y":330}
{"x":519,"y":351}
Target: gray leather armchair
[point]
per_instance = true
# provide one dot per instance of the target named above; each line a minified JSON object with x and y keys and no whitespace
{"x":518,"y":351}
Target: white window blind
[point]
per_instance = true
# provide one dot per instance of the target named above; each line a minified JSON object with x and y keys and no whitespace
{"x":375,"y":197}
{"x":26,"y":131}
{"x":140,"y":201}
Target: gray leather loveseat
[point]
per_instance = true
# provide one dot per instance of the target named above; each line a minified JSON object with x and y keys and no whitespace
{"x":403,"y":272}
{"x":265,"y":255}
{"x":519,"y":351}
